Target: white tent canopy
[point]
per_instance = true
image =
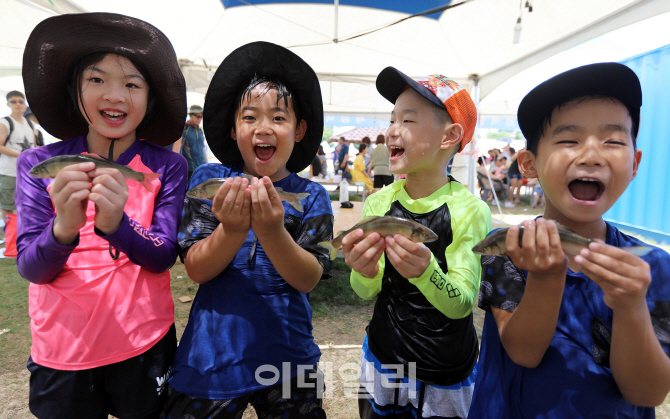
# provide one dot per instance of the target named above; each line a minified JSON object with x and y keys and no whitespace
{"x":471,"y":43}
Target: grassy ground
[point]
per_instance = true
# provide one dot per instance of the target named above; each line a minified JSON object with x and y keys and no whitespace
{"x":339,"y":319}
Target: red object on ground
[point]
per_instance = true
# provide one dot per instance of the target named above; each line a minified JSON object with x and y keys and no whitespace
{"x":10,"y":236}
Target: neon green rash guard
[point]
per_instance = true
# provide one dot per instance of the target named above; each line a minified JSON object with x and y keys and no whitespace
{"x":426,"y":322}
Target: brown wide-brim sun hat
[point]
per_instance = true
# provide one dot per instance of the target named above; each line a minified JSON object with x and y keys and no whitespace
{"x":275,"y":62}
{"x":58,"y":43}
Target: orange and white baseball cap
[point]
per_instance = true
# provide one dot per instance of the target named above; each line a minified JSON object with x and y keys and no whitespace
{"x":438,"y":89}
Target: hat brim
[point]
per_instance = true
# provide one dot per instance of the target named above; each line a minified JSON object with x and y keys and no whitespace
{"x":607,"y":79}
{"x":58,"y":43}
{"x":235,"y":73}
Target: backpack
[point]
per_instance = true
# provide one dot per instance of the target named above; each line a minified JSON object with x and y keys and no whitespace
{"x":39,"y":138}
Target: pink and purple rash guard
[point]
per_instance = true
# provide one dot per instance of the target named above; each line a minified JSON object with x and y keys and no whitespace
{"x":86,"y":309}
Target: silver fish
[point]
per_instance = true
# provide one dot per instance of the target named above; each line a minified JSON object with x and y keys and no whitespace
{"x":571,"y":242}
{"x":51,"y":167}
{"x":385,"y":226}
{"x":208,"y":189}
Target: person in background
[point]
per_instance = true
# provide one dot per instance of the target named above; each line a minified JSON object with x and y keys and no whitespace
{"x":343,"y":159}
{"x":315,"y":167}
{"x":16,"y":136}
{"x":366,"y":156}
{"x":336,"y":152}
{"x":39,"y":136}
{"x":515,"y":177}
{"x":322,"y":159}
{"x":379,"y":164}
{"x":191,"y":145}
{"x":358,"y":173}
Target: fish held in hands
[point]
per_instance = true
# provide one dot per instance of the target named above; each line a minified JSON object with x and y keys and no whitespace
{"x":385,"y":226}
{"x":208,"y":189}
{"x":51,"y":167}
{"x":571,"y":242}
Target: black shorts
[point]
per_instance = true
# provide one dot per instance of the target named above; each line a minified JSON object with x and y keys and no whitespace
{"x":304,"y":401}
{"x":382,"y":180}
{"x":131,"y":389}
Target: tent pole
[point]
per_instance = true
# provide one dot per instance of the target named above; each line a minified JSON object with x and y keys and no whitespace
{"x":472,"y":178}
{"x":337,"y":4}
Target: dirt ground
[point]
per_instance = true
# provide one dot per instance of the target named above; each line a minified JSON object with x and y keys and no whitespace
{"x":339,"y":334}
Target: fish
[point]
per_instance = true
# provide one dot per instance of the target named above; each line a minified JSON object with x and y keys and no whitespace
{"x":571,"y":242}
{"x":208,"y":189}
{"x":385,"y":226}
{"x":51,"y":167}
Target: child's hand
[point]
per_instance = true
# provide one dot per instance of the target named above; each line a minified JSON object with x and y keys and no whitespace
{"x":69,"y":192}
{"x":409,"y":258}
{"x":362,"y":255}
{"x":267,"y":211}
{"x":623,"y":277}
{"x":232,"y":204}
{"x":540,"y":251}
{"x":110,"y":194}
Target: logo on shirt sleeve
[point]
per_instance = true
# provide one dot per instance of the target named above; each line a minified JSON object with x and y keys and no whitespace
{"x":441,"y":282}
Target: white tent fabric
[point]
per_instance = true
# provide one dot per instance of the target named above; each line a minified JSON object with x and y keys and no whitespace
{"x":471,"y":43}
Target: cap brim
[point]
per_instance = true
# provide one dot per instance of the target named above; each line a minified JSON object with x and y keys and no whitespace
{"x":608,"y":79}
{"x":391,"y":83}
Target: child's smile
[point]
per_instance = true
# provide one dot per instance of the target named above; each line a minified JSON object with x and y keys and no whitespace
{"x":266,"y":131}
{"x":413,"y":136}
{"x":586,"y":159}
{"x":114,"y":97}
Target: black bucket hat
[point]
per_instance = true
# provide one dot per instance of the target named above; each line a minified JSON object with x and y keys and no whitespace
{"x":235,"y":73}
{"x":607,"y":79}
{"x":58,"y":43}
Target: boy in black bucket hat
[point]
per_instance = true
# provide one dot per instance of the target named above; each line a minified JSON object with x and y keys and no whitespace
{"x":248,"y":339}
{"x":585,"y":335}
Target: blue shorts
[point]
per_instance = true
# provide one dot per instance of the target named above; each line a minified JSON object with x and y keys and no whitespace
{"x":538,"y":189}
{"x":515,"y":175}
{"x":130,"y":389}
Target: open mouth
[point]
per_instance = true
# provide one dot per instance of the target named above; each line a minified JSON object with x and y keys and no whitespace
{"x":396,"y":152}
{"x":112,"y":115}
{"x":585,"y":189}
{"x":264,"y":152}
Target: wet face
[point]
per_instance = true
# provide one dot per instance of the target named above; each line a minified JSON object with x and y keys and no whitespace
{"x":114,"y":97}
{"x":266,"y":132}
{"x":586,"y":159}
{"x":414,"y":137}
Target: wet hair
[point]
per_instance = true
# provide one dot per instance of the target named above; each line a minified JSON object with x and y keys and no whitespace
{"x":440,"y":115}
{"x":534,"y":141}
{"x":381,"y":139}
{"x":75,"y":87}
{"x":270,"y":83}
{"x":15,"y":93}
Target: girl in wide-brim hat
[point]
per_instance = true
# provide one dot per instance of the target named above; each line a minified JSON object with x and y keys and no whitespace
{"x":95,"y":246}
